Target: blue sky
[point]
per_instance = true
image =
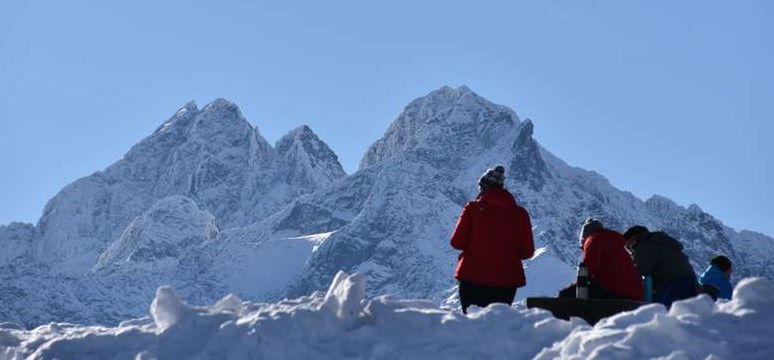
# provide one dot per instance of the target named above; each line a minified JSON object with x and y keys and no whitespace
{"x":670,"y":98}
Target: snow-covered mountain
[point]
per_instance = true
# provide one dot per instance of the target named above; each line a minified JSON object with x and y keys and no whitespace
{"x":212,"y":156}
{"x":209,"y":206}
{"x":154,"y":217}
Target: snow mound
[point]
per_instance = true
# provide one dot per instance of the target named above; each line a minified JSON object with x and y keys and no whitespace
{"x":345,"y":296}
{"x":342,"y":324}
{"x":696,"y":328}
{"x":167,"y":308}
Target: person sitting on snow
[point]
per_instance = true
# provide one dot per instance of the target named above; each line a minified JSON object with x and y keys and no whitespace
{"x":715,"y":281}
{"x":661,"y":257}
{"x":494,"y":234}
{"x":612,"y":274}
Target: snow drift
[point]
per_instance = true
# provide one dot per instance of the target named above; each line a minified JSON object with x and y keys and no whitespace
{"x":342,"y":324}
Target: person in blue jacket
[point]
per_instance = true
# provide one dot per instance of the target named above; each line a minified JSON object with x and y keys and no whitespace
{"x":716,"y":280}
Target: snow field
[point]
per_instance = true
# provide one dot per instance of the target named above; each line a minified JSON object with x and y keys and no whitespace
{"x":695,"y":328}
{"x":342,"y":324}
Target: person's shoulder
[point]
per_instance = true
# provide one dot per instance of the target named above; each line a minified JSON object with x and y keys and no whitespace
{"x":612,"y":235}
{"x":660,"y":235}
{"x":475,"y":204}
{"x":520,"y":210}
{"x":604,"y":234}
{"x":664,"y":240}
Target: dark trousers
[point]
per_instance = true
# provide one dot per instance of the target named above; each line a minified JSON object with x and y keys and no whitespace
{"x":596,"y":291}
{"x":480,"y":295}
{"x":679,"y":289}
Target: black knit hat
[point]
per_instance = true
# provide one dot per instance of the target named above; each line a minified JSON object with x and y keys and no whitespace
{"x":722,"y":262}
{"x":492,"y":178}
{"x":591,"y":225}
{"x":635,"y":230}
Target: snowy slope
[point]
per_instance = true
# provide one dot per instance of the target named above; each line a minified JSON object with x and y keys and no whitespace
{"x":16,"y":239}
{"x":205,"y":204}
{"x":343,"y":324}
{"x":755,"y":249}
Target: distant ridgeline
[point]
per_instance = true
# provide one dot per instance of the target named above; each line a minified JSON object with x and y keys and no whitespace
{"x":207,"y":205}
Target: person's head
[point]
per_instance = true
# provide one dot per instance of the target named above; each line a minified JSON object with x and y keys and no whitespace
{"x":632,"y":235}
{"x":492,"y":178}
{"x":590,"y":226}
{"x":722,"y":263}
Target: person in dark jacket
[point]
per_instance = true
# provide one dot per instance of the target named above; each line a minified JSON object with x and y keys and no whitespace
{"x":612,"y":273}
{"x":716,"y":280}
{"x":495,"y":235}
{"x":661,"y":257}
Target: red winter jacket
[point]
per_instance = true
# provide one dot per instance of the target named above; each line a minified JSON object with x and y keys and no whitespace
{"x":494,"y":235}
{"x":610,"y":264}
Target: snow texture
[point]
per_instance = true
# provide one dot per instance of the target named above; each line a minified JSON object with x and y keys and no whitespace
{"x":696,"y":328}
{"x":343,"y":324}
{"x":206,"y":205}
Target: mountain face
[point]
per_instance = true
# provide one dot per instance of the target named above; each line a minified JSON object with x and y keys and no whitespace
{"x":209,"y":206}
{"x":164,"y":232}
{"x":16,"y":239}
{"x":212,"y":156}
{"x":420,"y":173}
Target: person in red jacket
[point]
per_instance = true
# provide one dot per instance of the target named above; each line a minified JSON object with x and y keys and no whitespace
{"x":494,"y":234}
{"x":611,"y":268}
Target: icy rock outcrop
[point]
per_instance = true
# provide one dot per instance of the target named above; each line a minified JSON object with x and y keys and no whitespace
{"x":16,"y":241}
{"x":753,"y":251}
{"x":307,"y":161}
{"x":169,"y":228}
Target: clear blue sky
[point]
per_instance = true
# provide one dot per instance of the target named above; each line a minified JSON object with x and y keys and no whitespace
{"x":673,"y":98}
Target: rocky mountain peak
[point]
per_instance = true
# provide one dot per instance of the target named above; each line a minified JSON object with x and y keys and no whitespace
{"x":662,"y":206}
{"x":184,"y":113}
{"x":221,"y":124}
{"x":306,"y":160}
{"x":527,"y":129}
{"x":448,"y":94}
{"x":189,"y":107}
{"x":441,"y":126}
{"x":223,"y":105}
{"x":301,"y":134}
{"x":166,"y":230}
{"x":527,"y":162}
{"x":695,"y":209}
